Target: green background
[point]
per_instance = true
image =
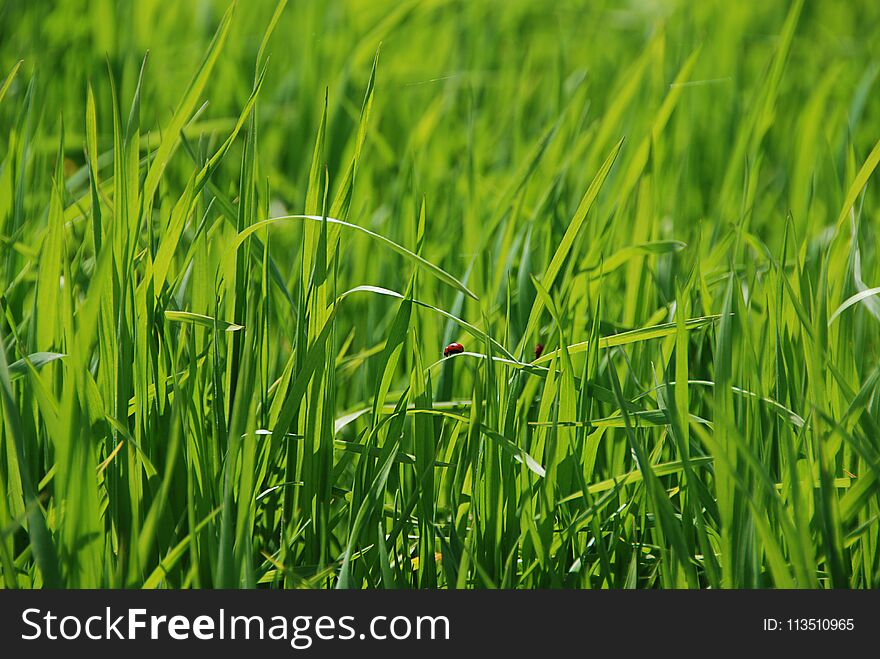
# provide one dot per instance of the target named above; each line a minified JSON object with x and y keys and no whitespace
{"x":673,"y":198}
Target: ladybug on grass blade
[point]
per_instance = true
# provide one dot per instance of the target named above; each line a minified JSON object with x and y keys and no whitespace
{"x":453,"y":349}
{"x":539,"y":348}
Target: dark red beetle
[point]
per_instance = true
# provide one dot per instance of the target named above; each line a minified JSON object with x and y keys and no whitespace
{"x":453,"y":349}
{"x":539,"y":348}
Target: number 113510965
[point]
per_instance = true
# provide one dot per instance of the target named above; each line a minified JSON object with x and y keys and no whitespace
{"x":809,"y":624}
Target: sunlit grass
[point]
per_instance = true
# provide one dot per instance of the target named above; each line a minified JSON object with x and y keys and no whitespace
{"x":236,"y":240}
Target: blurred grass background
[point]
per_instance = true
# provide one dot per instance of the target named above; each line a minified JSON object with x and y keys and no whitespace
{"x":190,"y":400}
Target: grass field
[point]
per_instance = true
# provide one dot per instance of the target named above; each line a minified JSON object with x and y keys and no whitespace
{"x":234,"y":242}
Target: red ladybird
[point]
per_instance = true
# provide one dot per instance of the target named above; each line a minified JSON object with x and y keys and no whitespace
{"x":539,"y":348}
{"x":453,"y":349}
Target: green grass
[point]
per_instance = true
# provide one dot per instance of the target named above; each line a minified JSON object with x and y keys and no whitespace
{"x":235,"y":241}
